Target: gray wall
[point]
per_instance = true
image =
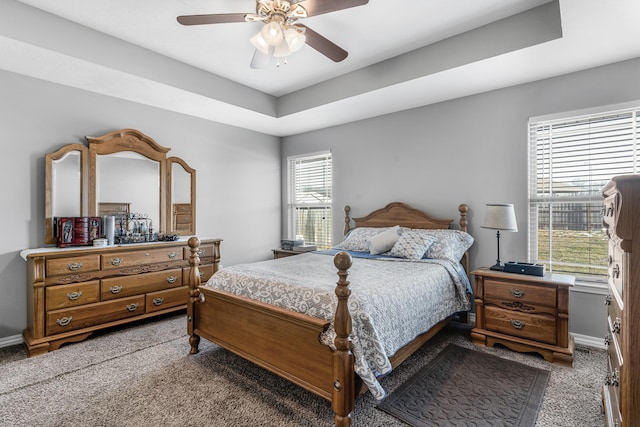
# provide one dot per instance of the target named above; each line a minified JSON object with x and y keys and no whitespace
{"x":471,"y":150}
{"x":238,"y":173}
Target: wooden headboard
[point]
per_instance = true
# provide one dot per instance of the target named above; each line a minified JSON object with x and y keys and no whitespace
{"x":401,"y":214}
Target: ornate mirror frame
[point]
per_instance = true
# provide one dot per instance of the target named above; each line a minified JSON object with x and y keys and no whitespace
{"x":125,"y":140}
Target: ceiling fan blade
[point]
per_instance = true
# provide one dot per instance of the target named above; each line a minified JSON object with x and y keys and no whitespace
{"x":318,"y":7}
{"x":323,"y":45}
{"x":216,"y":18}
{"x":261,"y":59}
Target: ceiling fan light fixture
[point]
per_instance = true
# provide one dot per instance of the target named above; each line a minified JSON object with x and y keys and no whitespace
{"x":260,"y":43}
{"x":272,"y":33}
{"x":282,"y":50}
{"x":295,"y":39}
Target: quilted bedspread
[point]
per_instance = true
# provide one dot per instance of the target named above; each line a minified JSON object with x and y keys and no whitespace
{"x":392,"y":300}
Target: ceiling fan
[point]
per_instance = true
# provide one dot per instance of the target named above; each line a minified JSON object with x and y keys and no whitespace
{"x":282,"y":34}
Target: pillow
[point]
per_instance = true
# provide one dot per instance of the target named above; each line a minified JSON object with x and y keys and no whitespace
{"x":384,"y":241}
{"x":358,"y":238}
{"x":411,"y":245}
{"x":448,"y":244}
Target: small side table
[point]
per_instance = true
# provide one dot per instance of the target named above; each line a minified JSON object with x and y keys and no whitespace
{"x":283,"y":253}
{"x":524,"y":313}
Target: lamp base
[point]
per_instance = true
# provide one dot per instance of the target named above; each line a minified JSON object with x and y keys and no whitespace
{"x":497,"y":267}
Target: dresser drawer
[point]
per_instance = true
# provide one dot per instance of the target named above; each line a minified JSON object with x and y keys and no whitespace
{"x":118,"y":287}
{"x":136,"y":258}
{"x":203,"y":251}
{"x":60,"y":321}
{"x":616,"y":267}
{"x":530,"y":326}
{"x":206,"y":271}
{"x":79,"y":264}
{"x":162,"y":300}
{"x":513,"y":291}
{"x":71,"y":295}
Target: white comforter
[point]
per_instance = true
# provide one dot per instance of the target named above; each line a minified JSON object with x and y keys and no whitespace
{"x":392,"y":301}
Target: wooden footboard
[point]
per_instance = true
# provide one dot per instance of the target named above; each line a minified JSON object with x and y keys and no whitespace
{"x":279,"y":340}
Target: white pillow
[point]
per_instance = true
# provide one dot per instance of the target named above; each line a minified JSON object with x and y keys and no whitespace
{"x":411,"y":245}
{"x":381,"y":243}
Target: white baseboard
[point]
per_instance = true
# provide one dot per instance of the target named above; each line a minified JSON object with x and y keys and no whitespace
{"x":11,"y":340}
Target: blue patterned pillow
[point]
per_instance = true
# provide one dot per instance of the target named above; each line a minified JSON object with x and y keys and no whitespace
{"x":358,"y":238}
{"x":448,"y":244}
{"x":411,"y":245}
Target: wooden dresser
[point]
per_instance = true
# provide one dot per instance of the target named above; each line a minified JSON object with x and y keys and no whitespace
{"x":621,"y":218}
{"x":524,"y":313}
{"x":73,"y":292}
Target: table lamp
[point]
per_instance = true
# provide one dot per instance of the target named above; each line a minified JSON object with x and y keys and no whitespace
{"x":499,"y":217}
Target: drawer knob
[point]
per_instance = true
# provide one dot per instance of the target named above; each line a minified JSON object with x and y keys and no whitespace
{"x":74,"y":295}
{"x":172,"y":255}
{"x":74,"y":266}
{"x":616,"y":271}
{"x":115,"y":289}
{"x":518,"y":324}
{"x":158,"y":301}
{"x":517,"y":293}
{"x":132,"y":307}
{"x":616,"y":325}
{"x":64,"y":321}
{"x":172,"y":279}
{"x":116,"y":261}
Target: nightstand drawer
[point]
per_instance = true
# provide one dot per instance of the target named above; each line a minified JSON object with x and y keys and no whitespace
{"x":514,"y":291}
{"x":530,"y":326}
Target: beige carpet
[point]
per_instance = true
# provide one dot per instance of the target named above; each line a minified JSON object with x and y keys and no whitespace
{"x":143,"y":376}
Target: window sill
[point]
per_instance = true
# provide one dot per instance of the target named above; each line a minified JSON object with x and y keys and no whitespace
{"x":598,"y":288}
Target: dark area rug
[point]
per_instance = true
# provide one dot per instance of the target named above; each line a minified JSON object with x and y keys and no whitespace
{"x":464,"y":387}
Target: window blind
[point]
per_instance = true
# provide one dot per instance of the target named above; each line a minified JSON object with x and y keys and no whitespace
{"x":569,"y":161}
{"x":309,"y":198}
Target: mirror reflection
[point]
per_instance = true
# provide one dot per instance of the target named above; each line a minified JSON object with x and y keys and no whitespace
{"x":182,"y":192}
{"x":66,"y":185}
{"x":131,"y":179}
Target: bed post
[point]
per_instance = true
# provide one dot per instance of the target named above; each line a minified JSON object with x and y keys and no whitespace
{"x":347,"y":220}
{"x":194,"y":293}
{"x":343,"y":396}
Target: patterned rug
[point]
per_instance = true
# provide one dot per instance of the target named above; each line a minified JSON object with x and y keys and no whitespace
{"x":463,"y":387}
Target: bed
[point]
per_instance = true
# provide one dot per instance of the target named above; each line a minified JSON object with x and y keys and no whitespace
{"x":291,"y":317}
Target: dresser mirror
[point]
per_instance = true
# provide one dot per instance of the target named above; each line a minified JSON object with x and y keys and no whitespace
{"x":121,"y":172}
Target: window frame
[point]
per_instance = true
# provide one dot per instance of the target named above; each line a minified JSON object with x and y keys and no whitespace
{"x":593,"y":197}
{"x":327,"y":205}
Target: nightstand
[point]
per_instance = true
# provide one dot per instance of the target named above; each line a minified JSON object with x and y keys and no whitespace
{"x":283,"y":253}
{"x":524,"y":313}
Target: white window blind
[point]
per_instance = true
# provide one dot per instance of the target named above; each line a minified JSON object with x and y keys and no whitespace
{"x":309,"y":198}
{"x":569,"y":161}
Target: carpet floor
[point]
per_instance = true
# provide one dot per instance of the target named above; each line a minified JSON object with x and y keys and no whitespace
{"x":142,"y":375}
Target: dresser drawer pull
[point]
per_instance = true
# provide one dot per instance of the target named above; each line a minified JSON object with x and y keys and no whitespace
{"x":132,"y":307}
{"x":172,"y":279}
{"x":172,"y":255}
{"x":64,"y":321}
{"x":607,"y":300}
{"x":607,"y":339}
{"x":517,"y":293}
{"x":518,"y":324}
{"x":616,"y":271}
{"x":115,"y":289}
{"x":616,"y":325}
{"x":116,"y":261}
{"x":74,"y":295}
{"x":158,"y":301}
{"x":615,"y":378}
{"x":74,"y":266}
{"x":200,"y":252}
{"x":201,"y":274}
{"x":610,"y":260}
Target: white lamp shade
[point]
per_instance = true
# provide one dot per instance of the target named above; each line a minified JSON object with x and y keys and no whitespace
{"x":295,"y":39}
{"x":282,"y":50}
{"x":500,"y":217}
{"x":260,"y":43}
{"x":272,"y":33}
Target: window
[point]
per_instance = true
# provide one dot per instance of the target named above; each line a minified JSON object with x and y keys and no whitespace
{"x":309,"y":199}
{"x":570,"y":160}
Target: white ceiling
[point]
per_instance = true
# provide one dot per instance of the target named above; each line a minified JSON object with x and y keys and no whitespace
{"x":311,"y":91}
